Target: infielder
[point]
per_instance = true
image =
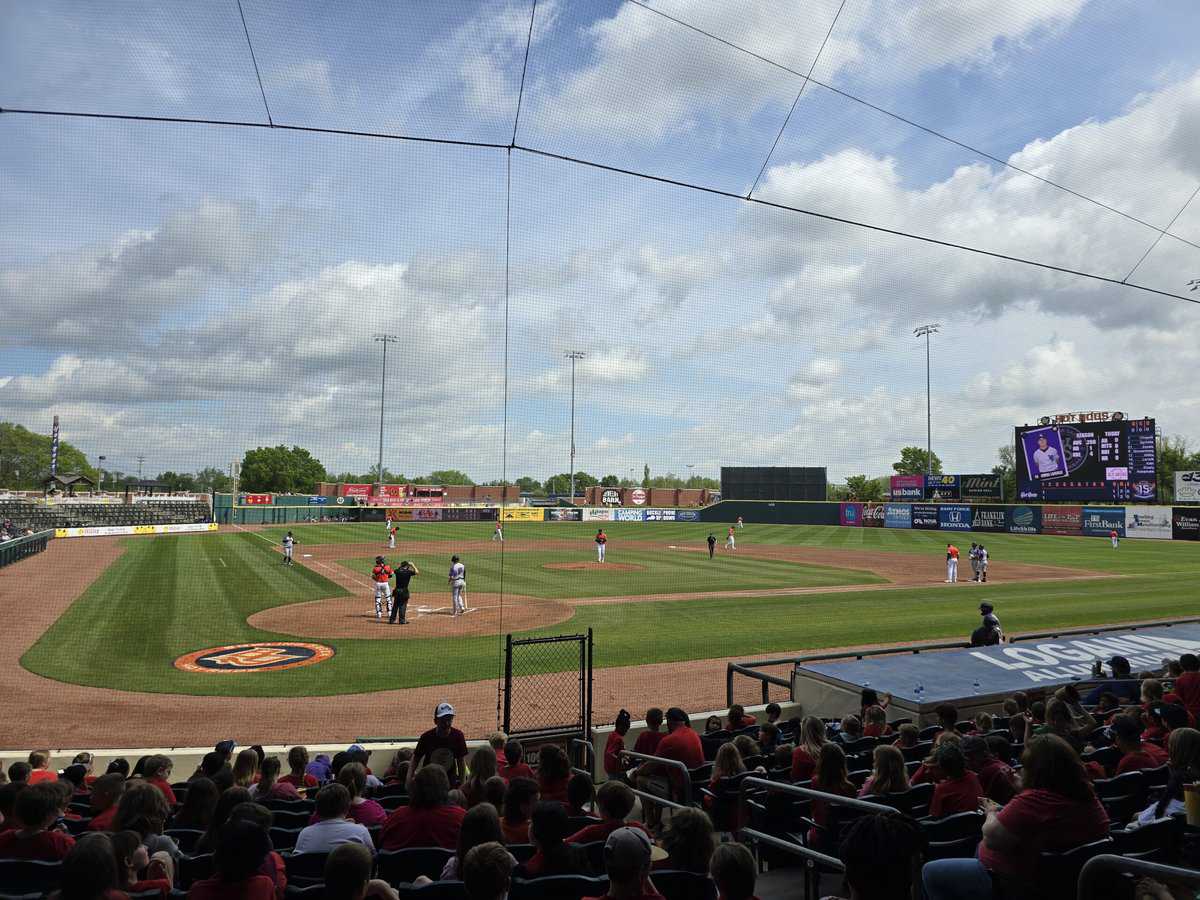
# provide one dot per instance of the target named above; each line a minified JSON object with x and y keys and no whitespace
{"x":381,"y":574}
{"x":601,"y":543}
{"x":289,"y":543}
{"x":973,"y":556}
{"x":983,"y":563}
{"x":458,"y":583}
{"x":391,"y":536}
{"x":951,"y":564}
{"x":740,"y":523}
{"x":730,"y":543}
{"x":498,"y":534}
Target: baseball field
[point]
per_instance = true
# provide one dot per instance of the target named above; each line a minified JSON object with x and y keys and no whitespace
{"x":104,"y":622}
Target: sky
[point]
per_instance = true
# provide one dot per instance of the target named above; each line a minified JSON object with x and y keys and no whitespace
{"x":190,"y":291}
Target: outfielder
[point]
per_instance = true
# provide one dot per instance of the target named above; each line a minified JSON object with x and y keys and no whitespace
{"x":601,"y":543}
{"x":951,"y":564}
{"x":740,"y":523}
{"x":1116,"y":538}
{"x":730,"y":543}
{"x":383,"y":591}
{"x":289,"y":543}
{"x":458,"y":583}
{"x":498,"y":534}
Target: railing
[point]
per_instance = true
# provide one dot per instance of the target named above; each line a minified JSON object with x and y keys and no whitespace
{"x":19,"y":548}
{"x":686,"y":776}
{"x":1101,"y":867}
{"x":812,"y":858}
{"x":750,"y":669}
{"x":589,"y":757}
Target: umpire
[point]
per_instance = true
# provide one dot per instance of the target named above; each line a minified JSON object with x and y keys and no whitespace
{"x":404,"y":574}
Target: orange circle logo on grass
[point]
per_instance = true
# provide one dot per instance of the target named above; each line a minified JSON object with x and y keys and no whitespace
{"x":258,"y":657}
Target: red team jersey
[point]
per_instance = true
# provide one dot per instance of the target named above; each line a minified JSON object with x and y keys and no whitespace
{"x":381,"y":573}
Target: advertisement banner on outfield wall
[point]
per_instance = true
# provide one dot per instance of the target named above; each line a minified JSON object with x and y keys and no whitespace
{"x":873,"y":515}
{"x":256,"y":499}
{"x":556,"y":514}
{"x":1148,"y":522}
{"x":399,"y":515}
{"x":660,"y":515}
{"x":110,"y":530}
{"x":980,"y":487}
{"x":1098,"y":521}
{"x":427,"y":515}
{"x":593,"y":514}
{"x":522,"y":514}
{"x":954,"y":517}
{"x":850,"y":514}
{"x":687,"y":515}
{"x":629,"y":515}
{"x":1185,"y":523}
{"x":1025,"y":520}
{"x":897,"y":515}
{"x":989,"y":518}
{"x":925,"y":516}
{"x":1062,"y":520}
{"x":941,"y":487}
{"x":468,"y":514}
{"x":356,"y":490}
{"x":1187,"y":487}
{"x":908,"y":487}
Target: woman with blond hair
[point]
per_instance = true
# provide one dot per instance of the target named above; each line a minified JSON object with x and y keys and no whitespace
{"x":809,"y":742}
{"x":888,"y":775}
{"x":1183,"y":748}
{"x":483,"y":766}
{"x":245,"y":768}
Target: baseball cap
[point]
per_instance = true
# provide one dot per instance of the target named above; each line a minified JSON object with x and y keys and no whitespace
{"x":226,"y":747}
{"x":986,"y":607}
{"x":675,"y":714}
{"x":443,"y":709}
{"x":356,"y":748}
{"x":631,"y":848}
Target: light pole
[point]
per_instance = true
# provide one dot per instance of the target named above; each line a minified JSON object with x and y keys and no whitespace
{"x":573,"y":355}
{"x":925,"y":331}
{"x":140,"y":459}
{"x":385,"y":339}
{"x":102,"y":459}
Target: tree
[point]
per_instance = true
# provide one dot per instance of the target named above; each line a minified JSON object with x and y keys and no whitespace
{"x":529,"y":485}
{"x":560,"y":485}
{"x":913,"y":462}
{"x":1007,"y":470}
{"x":860,"y":487}
{"x":646,"y":476}
{"x":281,"y":471}
{"x":25,"y":458}
{"x":1173,"y":457}
{"x":178,"y":482}
{"x":449,"y":476}
{"x":211,"y":478}
{"x":610,"y":481}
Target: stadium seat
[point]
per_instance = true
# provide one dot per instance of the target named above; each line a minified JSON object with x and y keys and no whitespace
{"x":929,"y":733}
{"x":22,"y":877}
{"x":917,"y":753}
{"x":289,"y":806}
{"x":195,"y":868}
{"x":862,"y":745}
{"x":284,"y":838}
{"x":1058,"y":873}
{"x":521,"y":852}
{"x":575,"y":823}
{"x":305,"y":868}
{"x":859,"y":777}
{"x":289,"y":819}
{"x":307,"y":892}
{"x":950,"y":828}
{"x":1107,"y":757}
{"x":674,"y":884}
{"x":959,"y":848}
{"x":594,"y":850}
{"x":77,"y":827}
{"x":392,"y":802}
{"x":1156,"y":841}
{"x":401,"y":866}
{"x":184,"y":838}
{"x":913,"y":802}
{"x":558,"y":887}
{"x":1123,"y":797}
{"x":438,"y":890}
{"x":712,"y":743}
{"x":724,"y":802}
{"x":1157,"y":778}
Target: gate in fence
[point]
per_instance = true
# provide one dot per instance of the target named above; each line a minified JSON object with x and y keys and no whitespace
{"x":547,"y":686}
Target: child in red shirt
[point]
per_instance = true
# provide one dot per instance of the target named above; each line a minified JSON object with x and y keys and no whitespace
{"x":513,"y":766}
{"x":614,"y":765}
{"x":158,"y":773}
{"x":647,"y":741}
{"x":36,"y":809}
{"x":959,"y":791}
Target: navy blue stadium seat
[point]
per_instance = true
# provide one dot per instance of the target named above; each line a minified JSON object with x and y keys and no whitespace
{"x":290,"y":818}
{"x":77,"y":827}
{"x":558,"y":887}
{"x":959,"y":848}
{"x":22,"y":877}
{"x":185,"y":838}
{"x":959,"y":825}
{"x":284,"y":838}
{"x":1058,"y":873}
{"x":678,"y":885}
{"x":521,"y":852}
{"x":405,"y":866}
{"x":930,"y":732}
{"x":439,"y":890}
{"x":308,"y":892}
{"x":576,"y":823}
{"x":195,"y":868}
{"x":304,"y":869}
{"x":913,"y":802}
{"x":917,"y":753}
{"x":1156,"y":841}
{"x":1107,"y":757}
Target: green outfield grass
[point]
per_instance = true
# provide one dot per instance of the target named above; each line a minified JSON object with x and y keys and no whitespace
{"x":167,"y":596}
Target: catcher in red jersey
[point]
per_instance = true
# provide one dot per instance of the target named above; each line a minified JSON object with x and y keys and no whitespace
{"x":381,"y":574}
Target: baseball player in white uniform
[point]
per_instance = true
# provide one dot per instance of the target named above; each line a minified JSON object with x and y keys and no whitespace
{"x":380,"y":575}
{"x":458,"y":584}
{"x":983,"y":564}
{"x":730,"y":543}
{"x":601,"y":544}
{"x":289,"y":543}
{"x":498,"y":534}
{"x":391,"y":536}
{"x":1045,"y":457}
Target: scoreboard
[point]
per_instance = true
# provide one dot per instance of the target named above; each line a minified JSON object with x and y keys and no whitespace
{"x":1088,"y":462}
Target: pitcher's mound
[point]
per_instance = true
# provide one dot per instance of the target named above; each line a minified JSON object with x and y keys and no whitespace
{"x":605,"y":566}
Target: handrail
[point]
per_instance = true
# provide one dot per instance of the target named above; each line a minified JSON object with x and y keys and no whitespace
{"x":589,"y":757}
{"x":18,"y":548}
{"x":749,"y":668}
{"x":1097,"y":866}
{"x":782,"y":787}
{"x":686,"y":800}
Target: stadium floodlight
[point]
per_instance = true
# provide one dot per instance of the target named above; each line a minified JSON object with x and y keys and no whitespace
{"x":573,"y":356}
{"x":925,"y":331}
{"x":102,"y":459}
{"x":385,"y":339}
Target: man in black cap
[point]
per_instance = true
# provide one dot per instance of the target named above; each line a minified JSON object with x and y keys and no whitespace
{"x":1121,"y":684}
{"x":988,"y":634}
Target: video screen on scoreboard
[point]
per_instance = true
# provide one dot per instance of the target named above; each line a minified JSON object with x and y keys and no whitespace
{"x":1088,"y":461}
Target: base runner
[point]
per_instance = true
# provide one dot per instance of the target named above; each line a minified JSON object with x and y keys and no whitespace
{"x":381,"y":574}
{"x":458,"y":584}
{"x":601,"y":543}
{"x":289,"y":544}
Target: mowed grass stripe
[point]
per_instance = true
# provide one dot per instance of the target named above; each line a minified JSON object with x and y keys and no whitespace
{"x":169,"y":595}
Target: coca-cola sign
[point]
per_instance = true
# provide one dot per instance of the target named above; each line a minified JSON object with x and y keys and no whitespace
{"x":638,"y":496}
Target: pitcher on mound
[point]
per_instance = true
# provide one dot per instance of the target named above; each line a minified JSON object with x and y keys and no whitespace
{"x":601,"y":543}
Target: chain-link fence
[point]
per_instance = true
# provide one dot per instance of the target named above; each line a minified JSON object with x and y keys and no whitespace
{"x":548,"y":684}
